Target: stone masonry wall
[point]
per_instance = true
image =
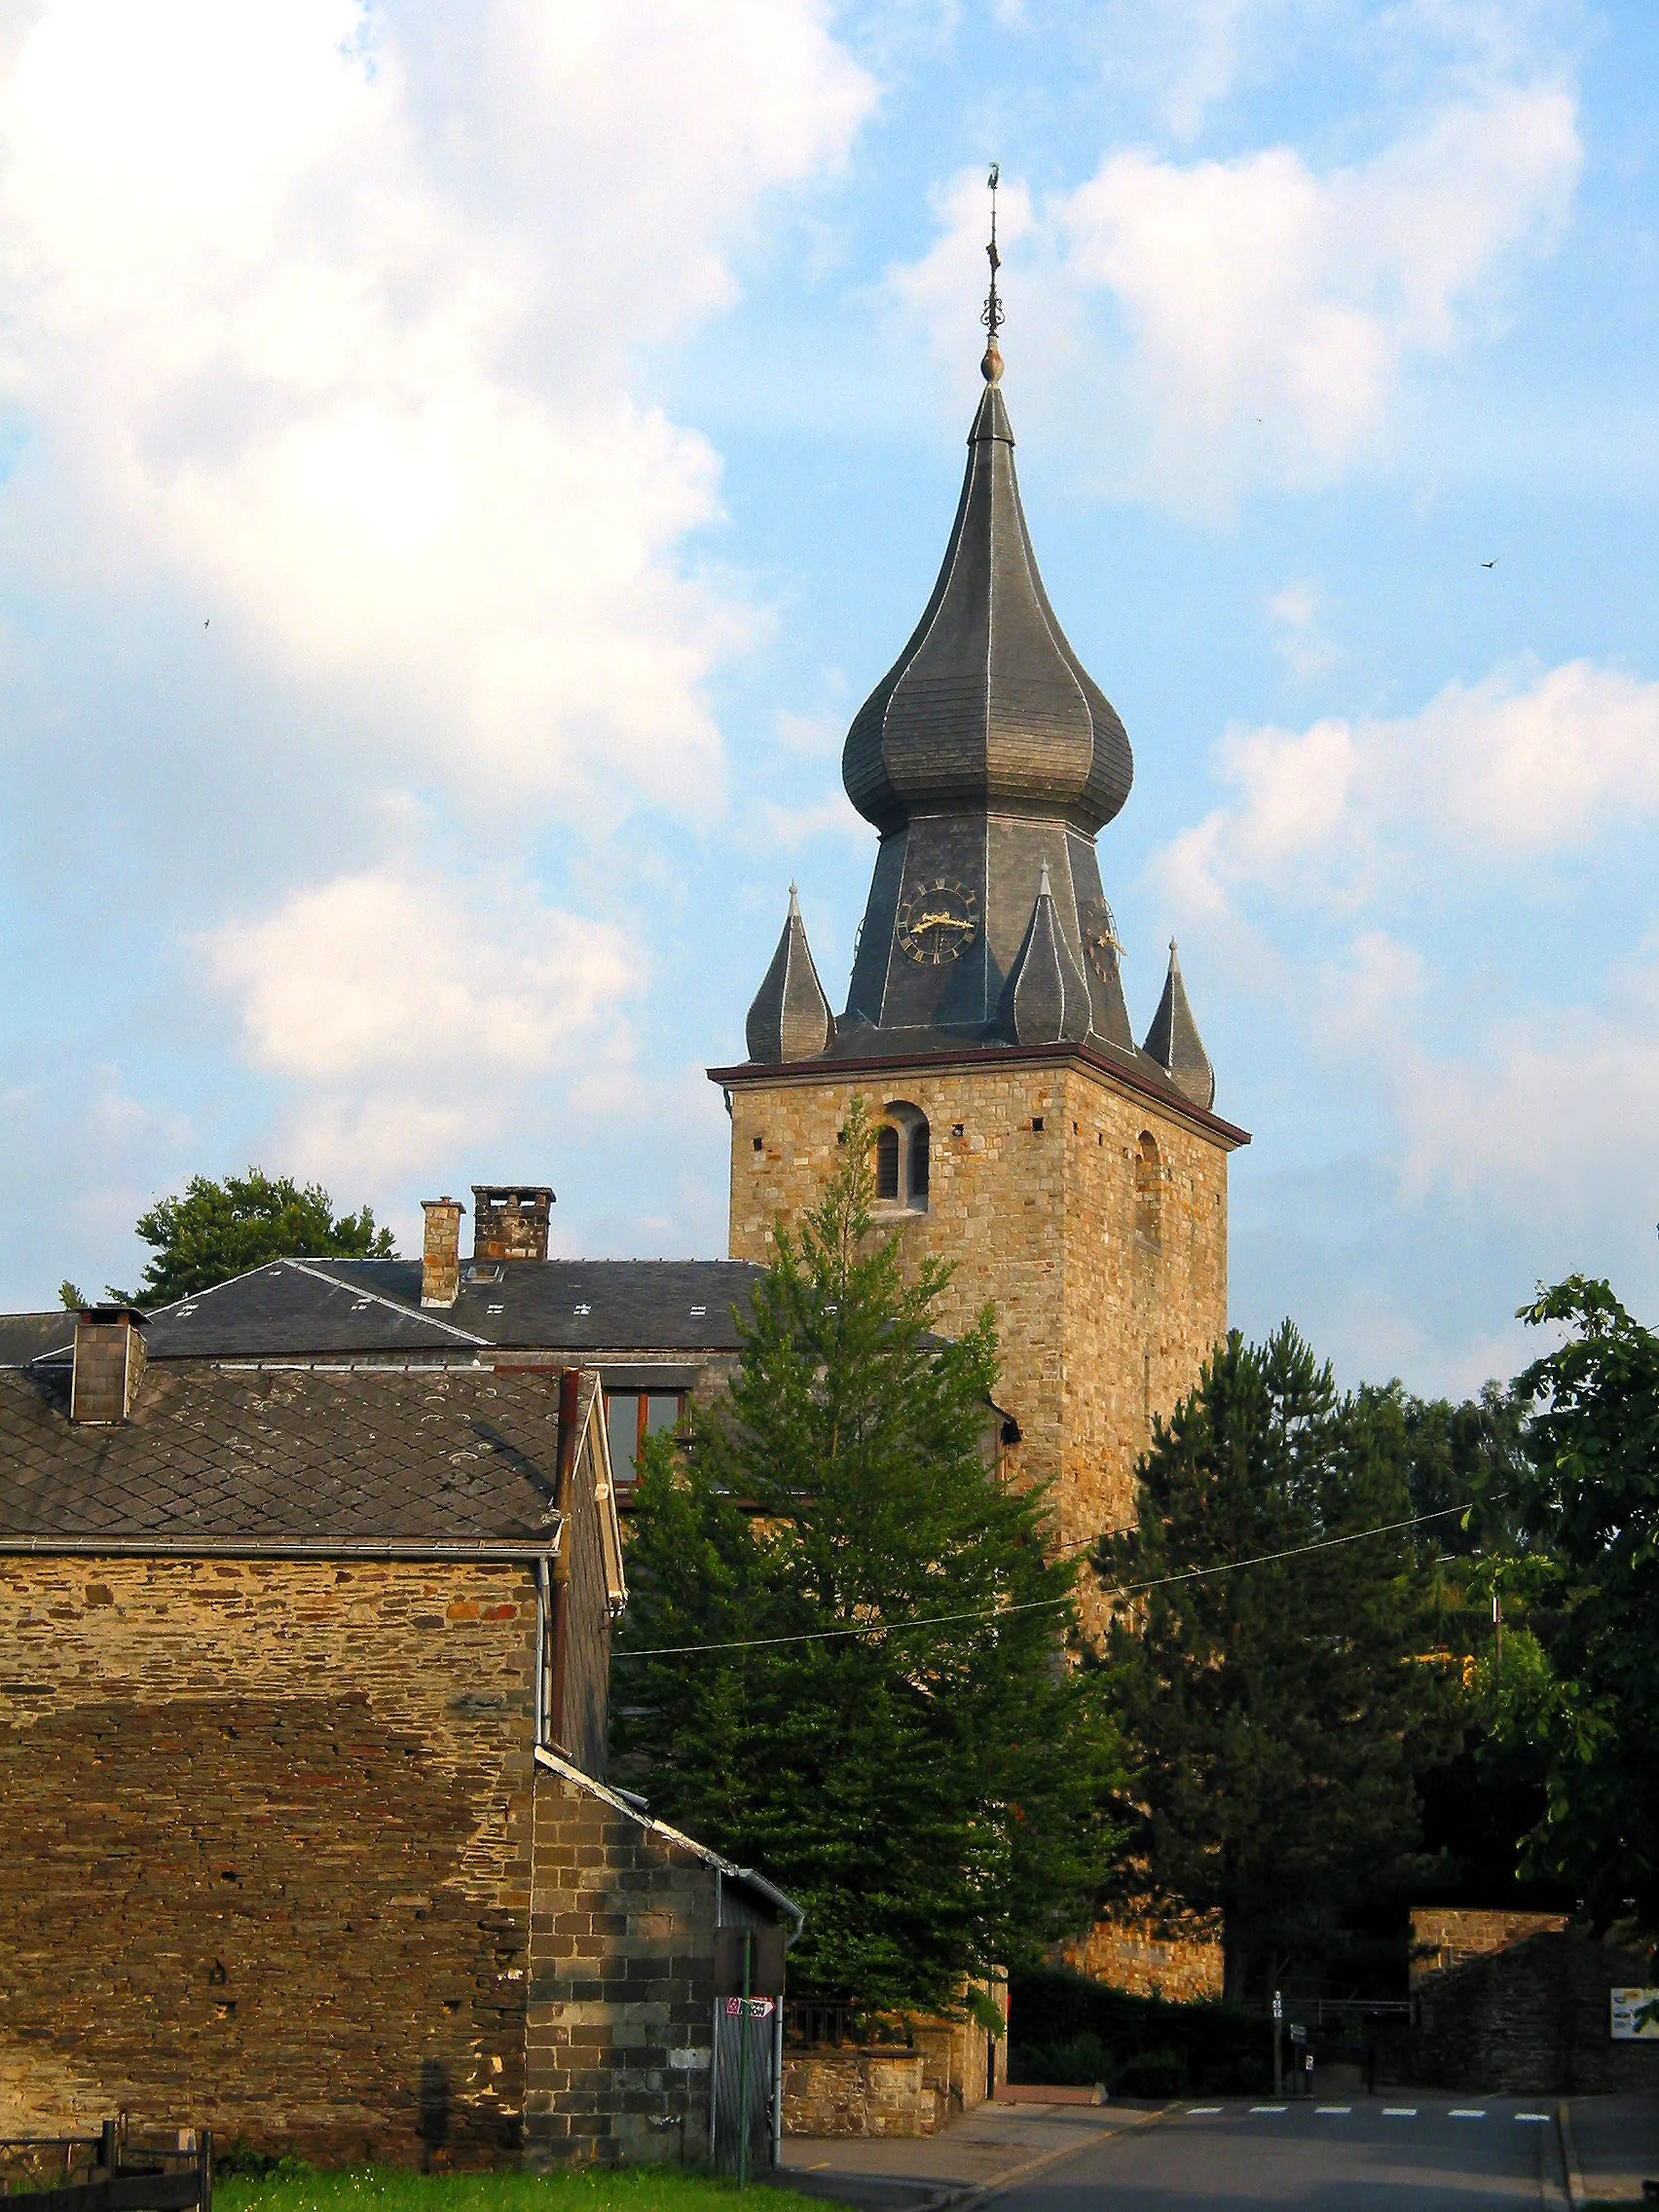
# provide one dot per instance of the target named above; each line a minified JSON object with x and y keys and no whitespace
{"x":1532,"y":2020}
{"x":266,"y":1851}
{"x":1106,"y":1308}
{"x":1179,"y":1961}
{"x":620,"y":2028}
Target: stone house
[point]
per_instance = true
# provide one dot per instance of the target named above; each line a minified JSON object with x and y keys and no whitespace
{"x":302,"y":1753}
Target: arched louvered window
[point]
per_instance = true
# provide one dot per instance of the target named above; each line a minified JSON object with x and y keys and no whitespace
{"x":887,"y":1163}
{"x":901,"y":1158}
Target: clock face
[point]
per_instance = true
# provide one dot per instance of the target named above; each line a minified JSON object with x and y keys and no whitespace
{"x":1104,"y":948}
{"x":936,"y":922}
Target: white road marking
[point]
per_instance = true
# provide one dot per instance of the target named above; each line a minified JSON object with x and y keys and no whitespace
{"x":1399,"y":2111}
{"x":1333,"y":2108}
{"x":1467,"y":2112}
{"x":1543,"y":2115}
{"x":1268,"y":2108}
{"x":1195,"y":2110}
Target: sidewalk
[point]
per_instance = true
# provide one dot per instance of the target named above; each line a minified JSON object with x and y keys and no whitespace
{"x":1614,"y":2144}
{"x":988,"y":2149}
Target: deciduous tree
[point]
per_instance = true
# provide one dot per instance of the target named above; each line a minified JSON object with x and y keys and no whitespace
{"x":217,"y":1229}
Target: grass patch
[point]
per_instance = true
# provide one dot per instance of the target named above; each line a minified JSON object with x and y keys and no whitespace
{"x":291,"y":2187}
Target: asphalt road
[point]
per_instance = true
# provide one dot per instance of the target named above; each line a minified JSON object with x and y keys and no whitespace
{"x":1412,"y":2153}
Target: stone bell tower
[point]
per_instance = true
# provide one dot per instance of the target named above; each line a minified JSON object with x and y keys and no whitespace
{"x":1077,"y":1180}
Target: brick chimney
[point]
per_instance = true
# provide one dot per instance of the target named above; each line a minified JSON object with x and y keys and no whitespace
{"x":509,"y":1221}
{"x":109,"y":1363}
{"x":441,"y":1252}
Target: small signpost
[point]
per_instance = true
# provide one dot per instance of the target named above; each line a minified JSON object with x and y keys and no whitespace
{"x":1278,"y":2045}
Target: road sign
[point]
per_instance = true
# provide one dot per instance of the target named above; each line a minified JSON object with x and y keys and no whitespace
{"x":1298,"y":2033}
{"x":757,"y":2008}
{"x":1634,"y":2016}
{"x":1279,"y":2005}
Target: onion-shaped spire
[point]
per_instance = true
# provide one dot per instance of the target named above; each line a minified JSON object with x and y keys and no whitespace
{"x":1175,"y":1043}
{"x":791,"y":1017}
{"x":988,"y":705}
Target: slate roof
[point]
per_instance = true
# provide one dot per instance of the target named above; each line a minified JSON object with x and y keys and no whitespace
{"x":26,"y":1336}
{"x":575,"y":1311}
{"x":988,"y":705}
{"x":343,"y":1460}
{"x":790,"y":1019}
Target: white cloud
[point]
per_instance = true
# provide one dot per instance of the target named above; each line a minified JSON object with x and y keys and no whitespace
{"x":1524,"y":764}
{"x":328,"y":316}
{"x":410,"y":1013}
{"x":1197,"y":329}
{"x":1299,"y":637}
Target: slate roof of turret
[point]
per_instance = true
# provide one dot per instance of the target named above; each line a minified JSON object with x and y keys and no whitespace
{"x":791,"y":1017}
{"x":988,"y":703}
{"x":1175,"y":1043}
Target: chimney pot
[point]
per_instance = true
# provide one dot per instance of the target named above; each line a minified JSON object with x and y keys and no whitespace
{"x":109,"y":1364}
{"x":441,"y":1252}
{"x":509,"y":1221}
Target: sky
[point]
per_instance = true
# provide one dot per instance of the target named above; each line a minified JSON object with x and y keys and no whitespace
{"x":463,"y":465}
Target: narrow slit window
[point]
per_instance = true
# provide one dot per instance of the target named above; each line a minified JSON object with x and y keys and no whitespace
{"x":919,"y":1160}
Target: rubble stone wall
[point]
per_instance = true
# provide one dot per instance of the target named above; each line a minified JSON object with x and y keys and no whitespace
{"x":265,"y":1865}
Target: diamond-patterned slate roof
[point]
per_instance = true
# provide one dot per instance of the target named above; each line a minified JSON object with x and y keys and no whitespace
{"x":216,"y":1456}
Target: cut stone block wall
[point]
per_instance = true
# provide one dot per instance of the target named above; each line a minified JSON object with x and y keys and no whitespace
{"x":265,"y":1865}
{"x":620,"y":2019}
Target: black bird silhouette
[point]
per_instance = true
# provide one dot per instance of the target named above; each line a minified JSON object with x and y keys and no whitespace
{"x":1489,"y":564}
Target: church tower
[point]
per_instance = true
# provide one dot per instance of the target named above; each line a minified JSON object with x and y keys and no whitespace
{"x":1078,"y":1181}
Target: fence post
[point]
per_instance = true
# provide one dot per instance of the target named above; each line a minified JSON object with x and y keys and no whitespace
{"x":743,"y":2065}
{"x":107,"y":2152}
{"x":205,"y":2163}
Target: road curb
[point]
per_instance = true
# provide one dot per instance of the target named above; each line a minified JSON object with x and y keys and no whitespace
{"x":982,"y":2191}
{"x":1577,"y":2194}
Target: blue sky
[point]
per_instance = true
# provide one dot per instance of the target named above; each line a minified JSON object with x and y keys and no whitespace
{"x":462,"y":467}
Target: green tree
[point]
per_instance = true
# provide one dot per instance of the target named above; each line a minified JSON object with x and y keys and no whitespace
{"x":219,"y":1230}
{"x":875,"y":1705}
{"x":1276,"y":1711}
{"x":1591,"y":1504}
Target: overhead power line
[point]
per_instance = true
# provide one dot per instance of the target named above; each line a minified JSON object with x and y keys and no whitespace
{"x":1049,"y":1605}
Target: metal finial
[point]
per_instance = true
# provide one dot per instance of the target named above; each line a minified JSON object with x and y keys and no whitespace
{"x":991,"y":367}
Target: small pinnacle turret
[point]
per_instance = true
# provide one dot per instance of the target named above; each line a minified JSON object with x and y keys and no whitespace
{"x":791,"y":1017}
{"x":1047,"y":999}
{"x":1175,"y":1043}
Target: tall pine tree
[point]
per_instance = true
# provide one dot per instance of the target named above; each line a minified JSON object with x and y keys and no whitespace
{"x":843,"y":1656}
{"x":1274,"y":1711}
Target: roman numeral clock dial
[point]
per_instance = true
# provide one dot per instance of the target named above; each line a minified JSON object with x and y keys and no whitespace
{"x":936,"y":922}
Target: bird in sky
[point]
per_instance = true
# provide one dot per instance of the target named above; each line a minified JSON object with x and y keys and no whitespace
{"x":1489,"y":564}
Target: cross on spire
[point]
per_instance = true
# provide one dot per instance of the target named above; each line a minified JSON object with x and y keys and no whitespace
{"x":991,"y":316}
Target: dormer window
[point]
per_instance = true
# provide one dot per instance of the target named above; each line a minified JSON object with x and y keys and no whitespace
{"x":902,"y":1160}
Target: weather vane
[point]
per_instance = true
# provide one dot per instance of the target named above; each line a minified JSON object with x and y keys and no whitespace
{"x":991,"y":367}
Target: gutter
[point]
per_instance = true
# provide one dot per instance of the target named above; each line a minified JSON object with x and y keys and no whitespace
{"x":407,"y":1548}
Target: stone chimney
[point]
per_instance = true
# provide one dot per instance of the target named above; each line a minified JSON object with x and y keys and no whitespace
{"x":509,"y":1221}
{"x":109,"y":1363}
{"x":440,"y":1251}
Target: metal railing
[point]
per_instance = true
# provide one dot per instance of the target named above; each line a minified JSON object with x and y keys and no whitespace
{"x":808,"y":2026}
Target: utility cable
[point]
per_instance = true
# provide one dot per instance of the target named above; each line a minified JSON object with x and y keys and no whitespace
{"x":1048,"y":1605}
